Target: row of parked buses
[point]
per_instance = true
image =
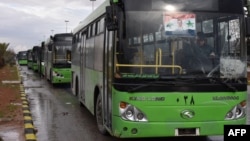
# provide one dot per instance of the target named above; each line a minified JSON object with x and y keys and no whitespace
{"x":52,"y":59}
{"x":135,"y":68}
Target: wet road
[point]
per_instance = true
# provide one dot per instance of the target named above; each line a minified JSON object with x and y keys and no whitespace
{"x":58,"y":116}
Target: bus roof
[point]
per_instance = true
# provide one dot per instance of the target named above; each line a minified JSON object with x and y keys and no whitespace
{"x":63,"y":34}
{"x":22,"y":51}
{"x":95,"y":14}
{"x":35,"y":48}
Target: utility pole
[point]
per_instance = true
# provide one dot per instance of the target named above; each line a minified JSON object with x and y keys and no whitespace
{"x":92,"y":4}
{"x":66,"y":21}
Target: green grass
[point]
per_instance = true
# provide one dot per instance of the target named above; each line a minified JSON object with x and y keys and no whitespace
{"x":1,"y":114}
{"x":11,"y":70}
{"x":11,"y":107}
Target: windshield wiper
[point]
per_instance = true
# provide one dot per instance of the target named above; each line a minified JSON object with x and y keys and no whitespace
{"x":224,"y":83}
{"x":151,"y":84}
{"x":215,"y":79}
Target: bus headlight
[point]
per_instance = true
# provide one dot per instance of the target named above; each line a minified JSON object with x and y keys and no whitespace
{"x":56,"y":74}
{"x":131,"y":113}
{"x":238,"y":111}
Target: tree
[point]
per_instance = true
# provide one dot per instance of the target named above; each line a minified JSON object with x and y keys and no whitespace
{"x":3,"y":49}
{"x":9,"y":57}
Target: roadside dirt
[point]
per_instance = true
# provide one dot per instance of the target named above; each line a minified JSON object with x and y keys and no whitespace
{"x":11,"y":115}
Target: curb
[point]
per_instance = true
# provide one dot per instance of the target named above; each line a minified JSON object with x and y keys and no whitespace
{"x":29,"y":129}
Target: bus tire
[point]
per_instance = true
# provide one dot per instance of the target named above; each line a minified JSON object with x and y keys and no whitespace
{"x":51,"y":78}
{"x":76,"y":88}
{"x":98,"y":115}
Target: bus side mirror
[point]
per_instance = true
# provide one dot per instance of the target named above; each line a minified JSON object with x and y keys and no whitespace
{"x":68,"y":55}
{"x":50,"y":47}
{"x":51,"y":37}
{"x":42,"y":44}
{"x":111,"y":18}
{"x":247,"y":26}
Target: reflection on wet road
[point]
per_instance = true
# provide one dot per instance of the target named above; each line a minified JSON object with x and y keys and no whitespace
{"x":58,"y":116}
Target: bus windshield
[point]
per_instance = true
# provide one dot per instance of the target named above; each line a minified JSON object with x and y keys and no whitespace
{"x":61,"y":54}
{"x":160,"y":43}
{"x":29,"y":54}
{"x":22,"y":55}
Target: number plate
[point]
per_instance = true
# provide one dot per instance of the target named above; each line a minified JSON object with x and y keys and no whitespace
{"x":187,"y":132}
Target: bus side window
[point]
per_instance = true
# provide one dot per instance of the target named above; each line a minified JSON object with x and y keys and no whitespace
{"x":97,"y":27}
{"x":50,"y":47}
{"x":101,"y":29}
{"x":93,"y":29}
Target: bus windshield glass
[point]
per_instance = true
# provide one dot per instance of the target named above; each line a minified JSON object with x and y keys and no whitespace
{"x":61,"y":54}
{"x":22,"y":55}
{"x":29,"y":54}
{"x":63,"y":39}
{"x":161,"y":43}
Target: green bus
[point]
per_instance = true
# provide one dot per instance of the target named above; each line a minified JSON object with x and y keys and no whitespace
{"x":22,"y":58}
{"x":30,"y":59}
{"x":141,"y":73}
{"x":35,"y":58}
{"x":41,"y":60}
{"x":57,"y":64}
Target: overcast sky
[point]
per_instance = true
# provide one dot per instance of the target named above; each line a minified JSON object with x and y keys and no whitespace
{"x":26,"y":23}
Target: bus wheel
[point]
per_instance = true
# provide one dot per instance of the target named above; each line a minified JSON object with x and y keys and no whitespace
{"x":45,"y":73}
{"x":51,"y":79}
{"x":76,"y":88}
{"x":50,"y":76}
{"x":98,"y":115}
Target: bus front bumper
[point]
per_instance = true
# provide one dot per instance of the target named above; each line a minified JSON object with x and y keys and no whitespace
{"x":59,"y":80}
{"x":128,"y":129}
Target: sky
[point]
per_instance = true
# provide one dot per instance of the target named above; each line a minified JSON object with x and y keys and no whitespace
{"x":26,"y":23}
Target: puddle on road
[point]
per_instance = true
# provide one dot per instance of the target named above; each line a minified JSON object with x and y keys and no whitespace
{"x":9,"y":135}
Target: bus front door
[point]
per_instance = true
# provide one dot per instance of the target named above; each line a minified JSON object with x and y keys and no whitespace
{"x":107,"y":78}
{"x":82,"y":68}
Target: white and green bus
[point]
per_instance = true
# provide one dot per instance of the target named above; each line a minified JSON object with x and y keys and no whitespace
{"x":41,"y":59}
{"x":22,"y":58}
{"x":57,"y":61}
{"x":35,"y":58}
{"x":142,"y":74}
{"x":29,"y":59}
